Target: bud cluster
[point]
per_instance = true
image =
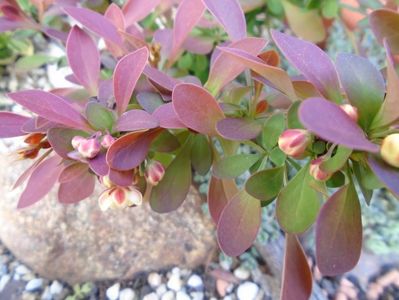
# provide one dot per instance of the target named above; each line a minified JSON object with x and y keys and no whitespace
{"x":90,"y":147}
{"x":120,"y":197}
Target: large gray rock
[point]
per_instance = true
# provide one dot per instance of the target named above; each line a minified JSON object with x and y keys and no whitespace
{"x":78,"y":242}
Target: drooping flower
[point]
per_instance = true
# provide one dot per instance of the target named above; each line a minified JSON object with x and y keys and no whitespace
{"x":316,"y":172}
{"x":120,"y":197}
{"x":154,"y":172}
{"x":294,"y":142}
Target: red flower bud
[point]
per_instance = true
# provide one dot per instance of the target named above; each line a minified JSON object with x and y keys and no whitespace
{"x":317,"y":172}
{"x":294,"y":142}
{"x":390,"y":149}
{"x":154,"y":172}
{"x":119,"y":197}
{"x":89,"y":148}
{"x":107,"y":141}
{"x":351,"y":111}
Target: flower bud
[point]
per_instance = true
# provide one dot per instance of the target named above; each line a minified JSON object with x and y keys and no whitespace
{"x":390,"y":149}
{"x":76,"y":140}
{"x":351,"y":111}
{"x":294,"y":142}
{"x":89,"y":148}
{"x":107,"y":141}
{"x":154,"y":172}
{"x":119,"y":197}
{"x":316,"y":172}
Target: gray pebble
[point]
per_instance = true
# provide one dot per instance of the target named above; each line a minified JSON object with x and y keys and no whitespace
{"x":113,"y":291}
{"x":3,"y":281}
{"x":127,"y":294}
{"x":34,"y":285}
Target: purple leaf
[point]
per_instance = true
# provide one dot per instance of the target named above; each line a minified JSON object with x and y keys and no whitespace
{"x":115,"y":15}
{"x":130,"y":150}
{"x":149,"y":101}
{"x":238,"y":129}
{"x":99,"y":164}
{"x":160,"y":79}
{"x":121,"y":178}
{"x":7,"y":25}
{"x":127,"y":73}
{"x":328,"y":121}
{"x":11,"y":124}
{"x":84,"y":59}
{"x":230,"y":15}
{"x":167,"y":117}
{"x":196,"y":108}
{"x":136,"y":10}
{"x":224,"y":69}
{"x":72,"y":172}
{"x":297,"y":277}
{"x":239,"y":224}
{"x":136,"y":119}
{"x":41,"y":181}
{"x":387,"y":174}
{"x":384,"y":23}
{"x":50,"y":107}
{"x":312,"y":62}
{"x":95,"y":22}
{"x":276,"y":77}
{"x":77,"y":189}
{"x":60,"y":140}
{"x":219,"y":193}
{"x":339,"y":232}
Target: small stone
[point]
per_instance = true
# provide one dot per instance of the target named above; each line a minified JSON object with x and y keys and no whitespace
{"x":154,"y":280}
{"x":127,"y":294}
{"x":22,"y":270}
{"x":46,"y":295}
{"x":175,"y":283}
{"x":3,"y":269}
{"x":169,"y":295}
{"x":228,"y":297}
{"x":197,"y":295}
{"x":3,"y":281}
{"x":56,"y":288}
{"x":247,"y":291}
{"x":242,"y":273}
{"x":113,"y":291}
{"x":182,"y":296}
{"x":221,"y":287}
{"x":151,"y":296}
{"x":34,"y":285}
{"x":195,"y":282}
{"x":161,"y":290}
{"x":28,"y":296}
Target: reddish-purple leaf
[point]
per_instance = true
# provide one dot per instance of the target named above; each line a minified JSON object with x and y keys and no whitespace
{"x":384,"y":23}
{"x":130,"y":150}
{"x":41,"y":181}
{"x":121,"y":178}
{"x":276,"y":77}
{"x":230,"y":15}
{"x":11,"y":124}
{"x":95,"y":22}
{"x":188,"y":15}
{"x":50,"y":107}
{"x":224,"y":69}
{"x":239,"y":224}
{"x":115,"y":15}
{"x":149,"y":101}
{"x":99,"y":164}
{"x":60,"y":140}
{"x":297,"y":277}
{"x":72,"y":172}
{"x":127,"y":73}
{"x":219,"y":193}
{"x":136,"y":119}
{"x":76,"y":189}
{"x":7,"y":24}
{"x":84,"y":59}
{"x":387,"y":174}
{"x":162,"y":82}
{"x":136,"y":10}
{"x":167,"y":117}
{"x":328,"y":121}
{"x":238,"y":129}
{"x":339,"y":232}
{"x":312,"y":62}
{"x":196,"y":108}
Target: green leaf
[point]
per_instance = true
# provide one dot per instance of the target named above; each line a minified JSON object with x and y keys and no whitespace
{"x":330,"y":8}
{"x":266,"y":184}
{"x":28,"y":63}
{"x":339,"y":232}
{"x":185,"y":61}
{"x":201,"y":154}
{"x":99,"y":117}
{"x":338,"y":161}
{"x":292,"y":116}
{"x":272,"y":129}
{"x":233,"y":166}
{"x":165,"y":142}
{"x":298,"y":203}
{"x":337,"y":180}
{"x":277,"y":156}
{"x":171,"y":191}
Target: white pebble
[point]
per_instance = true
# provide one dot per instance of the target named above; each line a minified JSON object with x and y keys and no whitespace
{"x":151,"y":296}
{"x":195,"y":282}
{"x":197,"y":295}
{"x":241,"y":273}
{"x":169,"y":295}
{"x":182,"y":296}
{"x":113,"y":291}
{"x":247,"y":291}
{"x":127,"y":294}
{"x":161,"y":290}
{"x":34,"y":285}
{"x":3,"y":281}
{"x":154,"y":279}
{"x":175,"y":283}
{"x":22,"y":270}
{"x":56,"y":288}
{"x":46,"y":295}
